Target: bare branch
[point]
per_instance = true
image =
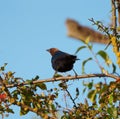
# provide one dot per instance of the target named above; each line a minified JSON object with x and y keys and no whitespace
{"x":66,"y":78}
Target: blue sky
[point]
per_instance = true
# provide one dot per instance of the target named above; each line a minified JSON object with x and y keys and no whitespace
{"x":29,"y":27}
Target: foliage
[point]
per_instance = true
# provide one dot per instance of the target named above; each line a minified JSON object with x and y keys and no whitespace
{"x":36,"y":97}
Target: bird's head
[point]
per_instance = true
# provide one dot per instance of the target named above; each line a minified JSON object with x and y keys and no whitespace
{"x":52,"y":51}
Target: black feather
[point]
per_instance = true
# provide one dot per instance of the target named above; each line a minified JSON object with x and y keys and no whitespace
{"x":62,"y":61}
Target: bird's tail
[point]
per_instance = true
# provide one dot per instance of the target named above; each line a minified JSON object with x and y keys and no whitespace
{"x":77,"y":59}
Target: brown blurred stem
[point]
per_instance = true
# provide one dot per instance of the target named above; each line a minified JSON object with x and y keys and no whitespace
{"x":81,"y":32}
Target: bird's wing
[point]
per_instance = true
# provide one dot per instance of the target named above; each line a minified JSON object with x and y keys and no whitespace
{"x":63,"y":57}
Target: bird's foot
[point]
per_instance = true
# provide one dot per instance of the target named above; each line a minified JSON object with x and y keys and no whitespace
{"x":75,"y":74}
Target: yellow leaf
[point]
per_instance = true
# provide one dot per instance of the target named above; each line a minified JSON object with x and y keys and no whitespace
{"x":35,"y":109}
{"x":11,"y":100}
{"x":87,"y":40}
{"x":104,"y":71}
{"x":25,"y":108}
{"x":18,"y":103}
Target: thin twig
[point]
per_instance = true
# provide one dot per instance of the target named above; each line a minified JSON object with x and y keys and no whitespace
{"x":95,"y":59}
{"x":71,"y":97}
{"x":101,"y":27}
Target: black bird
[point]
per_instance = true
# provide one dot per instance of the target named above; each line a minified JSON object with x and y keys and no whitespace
{"x":61,"y":61}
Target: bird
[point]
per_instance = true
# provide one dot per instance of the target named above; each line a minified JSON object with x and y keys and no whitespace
{"x":62,"y":61}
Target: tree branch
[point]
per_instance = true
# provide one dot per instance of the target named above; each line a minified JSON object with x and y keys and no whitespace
{"x":117,"y":78}
{"x":114,"y":17}
{"x":118,"y":7}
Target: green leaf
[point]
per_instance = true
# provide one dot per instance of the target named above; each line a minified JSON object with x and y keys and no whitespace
{"x":90,"y":85}
{"x":114,"y":67}
{"x":112,"y":111}
{"x":77,"y":92}
{"x":84,"y":90}
{"x":105,"y":57}
{"x":63,"y":85}
{"x":103,"y":54}
{"x":9,"y":110}
{"x":83,"y":64}
{"x":103,"y":89}
{"x":111,"y":99}
{"x":80,"y":48}
{"x":3,"y":67}
{"x":36,"y":78}
{"x":56,"y":75}
{"x":42,"y":86}
{"x":29,"y":81}
{"x":92,"y":95}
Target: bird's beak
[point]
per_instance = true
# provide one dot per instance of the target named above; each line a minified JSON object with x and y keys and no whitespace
{"x":48,"y":50}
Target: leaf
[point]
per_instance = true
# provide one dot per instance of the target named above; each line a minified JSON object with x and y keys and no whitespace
{"x":80,"y":48}
{"x":110,"y":99}
{"x":56,"y":75}
{"x":23,"y":112}
{"x":112,"y":111}
{"x":84,"y":90}
{"x":105,"y":57}
{"x":29,"y":81}
{"x":90,"y":85}
{"x":87,"y":40}
{"x":36,"y":78}
{"x":42,"y":86}
{"x":92,"y":95}
{"x":104,"y":88}
{"x":77,"y":92}
{"x":11,"y":100}
{"x":114,"y":67}
{"x":3,"y":67}
{"x":63,"y":85}
{"x":9,"y":110}
{"x":103,"y":54}
{"x":10,"y":74}
{"x":83,"y":64}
